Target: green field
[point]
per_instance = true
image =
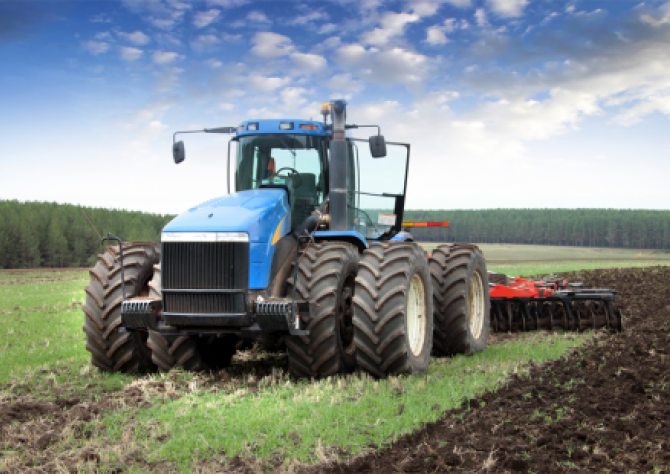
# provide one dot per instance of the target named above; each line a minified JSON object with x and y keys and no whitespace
{"x":178,"y":420}
{"x":533,"y":260}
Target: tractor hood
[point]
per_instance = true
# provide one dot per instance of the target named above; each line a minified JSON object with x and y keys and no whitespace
{"x":264,"y":214}
{"x":257,"y":212}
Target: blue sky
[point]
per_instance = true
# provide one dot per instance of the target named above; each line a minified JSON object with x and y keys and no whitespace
{"x":507,"y":103}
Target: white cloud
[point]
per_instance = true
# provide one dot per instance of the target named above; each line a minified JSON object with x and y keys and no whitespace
{"x":392,"y":66}
{"x":228,"y":3}
{"x":351,"y":54}
{"x":344,"y":85}
{"x":130,"y":54}
{"x":230,"y":38}
{"x":399,"y":66}
{"x":153,"y":130}
{"x":508,"y":8}
{"x":329,"y":44}
{"x":480,"y":17}
{"x":136,"y":37}
{"x":271,"y":45}
{"x":308,"y":63}
{"x":100,"y":18}
{"x":205,"y":43}
{"x":226,"y":106}
{"x":293,"y":96}
{"x":167,"y":38}
{"x":308,"y":18}
{"x":659,"y":102}
{"x":203,"y":19}
{"x":164,"y":57}
{"x":153,"y":111}
{"x":103,"y":35}
{"x":437,"y":34}
{"x":258,"y":16}
{"x":213,"y":63}
{"x":327,"y":28}
{"x":167,"y":21}
{"x":267,"y":84}
{"x":95,"y":47}
{"x":168,"y":80}
{"x":392,"y":25}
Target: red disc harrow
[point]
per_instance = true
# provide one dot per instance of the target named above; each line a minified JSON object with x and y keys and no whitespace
{"x":518,"y":304}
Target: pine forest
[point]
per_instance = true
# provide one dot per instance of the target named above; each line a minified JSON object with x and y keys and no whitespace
{"x":42,"y":234}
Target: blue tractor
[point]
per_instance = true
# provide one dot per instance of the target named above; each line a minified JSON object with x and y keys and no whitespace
{"x":306,"y":252}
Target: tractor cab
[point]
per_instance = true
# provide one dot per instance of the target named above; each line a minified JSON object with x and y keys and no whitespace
{"x":295,"y":156}
{"x":292,"y":162}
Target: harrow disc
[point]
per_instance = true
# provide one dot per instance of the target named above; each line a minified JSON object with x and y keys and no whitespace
{"x":563,"y":312}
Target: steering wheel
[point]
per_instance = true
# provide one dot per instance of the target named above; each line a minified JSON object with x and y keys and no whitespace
{"x":294,"y":175}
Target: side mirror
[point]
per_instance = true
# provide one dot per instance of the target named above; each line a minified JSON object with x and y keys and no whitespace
{"x":178,"y":152}
{"x":377,"y":146}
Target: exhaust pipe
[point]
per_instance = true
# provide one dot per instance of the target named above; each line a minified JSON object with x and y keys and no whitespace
{"x":339,"y":213}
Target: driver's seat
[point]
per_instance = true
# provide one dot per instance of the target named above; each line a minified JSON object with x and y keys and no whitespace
{"x":305,"y":199}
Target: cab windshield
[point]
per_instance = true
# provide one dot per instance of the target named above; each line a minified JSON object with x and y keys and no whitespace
{"x":294,"y":162}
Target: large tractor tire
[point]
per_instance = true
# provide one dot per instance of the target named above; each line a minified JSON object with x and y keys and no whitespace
{"x":393,"y":310}
{"x":326,"y":277}
{"x":461,"y":299}
{"x":111,"y":350}
{"x":169,"y":352}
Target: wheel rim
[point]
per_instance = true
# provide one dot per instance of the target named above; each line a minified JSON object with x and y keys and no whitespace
{"x":476,"y":305}
{"x":416,"y":315}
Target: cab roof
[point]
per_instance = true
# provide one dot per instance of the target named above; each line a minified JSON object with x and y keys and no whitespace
{"x":292,"y":126}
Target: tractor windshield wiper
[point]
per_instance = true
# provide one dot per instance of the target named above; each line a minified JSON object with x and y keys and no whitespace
{"x":287,"y":147}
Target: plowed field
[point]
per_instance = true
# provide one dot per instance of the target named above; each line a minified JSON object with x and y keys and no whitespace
{"x":605,"y":408}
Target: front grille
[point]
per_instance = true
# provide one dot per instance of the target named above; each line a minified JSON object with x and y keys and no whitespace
{"x":204,"y":266}
{"x":204,"y":303}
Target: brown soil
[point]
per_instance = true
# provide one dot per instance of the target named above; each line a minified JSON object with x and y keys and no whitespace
{"x":604,"y":408}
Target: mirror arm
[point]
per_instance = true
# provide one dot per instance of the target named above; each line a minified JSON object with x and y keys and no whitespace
{"x":206,"y":130}
{"x":379,"y":130}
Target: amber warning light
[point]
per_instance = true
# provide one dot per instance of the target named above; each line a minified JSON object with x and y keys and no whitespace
{"x":425,"y":224}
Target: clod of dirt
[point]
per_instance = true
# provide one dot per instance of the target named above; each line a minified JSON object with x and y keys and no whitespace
{"x":45,"y":440}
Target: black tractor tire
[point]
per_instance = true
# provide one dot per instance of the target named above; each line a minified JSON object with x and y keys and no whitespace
{"x":393,"y":310}
{"x":326,"y":277}
{"x":111,"y":350}
{"x":169,"y":352}
{"x":461,"y":300}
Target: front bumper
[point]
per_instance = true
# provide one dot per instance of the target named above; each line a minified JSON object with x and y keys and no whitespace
{"x":271,"y":316}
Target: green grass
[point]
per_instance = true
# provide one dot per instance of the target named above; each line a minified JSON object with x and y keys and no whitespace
{"x":513,"y":252}
{"x":349,"y":412}
{"x":40,"y":323}
{"x":527,"y":269}
{"x":522,"y":260}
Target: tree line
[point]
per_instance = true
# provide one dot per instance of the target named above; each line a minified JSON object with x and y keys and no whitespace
{"x":44,"y":234}
{"x":626,"y":228}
